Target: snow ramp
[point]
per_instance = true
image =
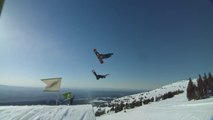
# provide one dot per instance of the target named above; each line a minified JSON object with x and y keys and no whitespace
{"x":44,"y":112}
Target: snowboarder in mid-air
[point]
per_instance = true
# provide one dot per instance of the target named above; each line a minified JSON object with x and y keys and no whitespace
{"x":99,"y":76}
{"x":102,"y":56}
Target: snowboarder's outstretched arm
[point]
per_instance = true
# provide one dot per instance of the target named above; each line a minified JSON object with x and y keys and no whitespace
{"x":94,"y":72}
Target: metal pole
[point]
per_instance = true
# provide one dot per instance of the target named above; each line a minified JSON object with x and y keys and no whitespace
{"x":69,"y":101}
{"x":56,"y":99}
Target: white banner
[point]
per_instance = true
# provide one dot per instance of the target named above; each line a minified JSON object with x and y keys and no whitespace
{"x":52,"y":84}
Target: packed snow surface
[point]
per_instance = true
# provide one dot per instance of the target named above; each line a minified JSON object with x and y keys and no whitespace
{"x":39,"y":112}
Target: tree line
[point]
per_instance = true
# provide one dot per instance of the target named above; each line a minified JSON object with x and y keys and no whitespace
{"x":202,"y":88}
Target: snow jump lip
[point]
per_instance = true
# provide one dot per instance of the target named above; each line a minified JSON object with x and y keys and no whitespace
{"x":45,"y":112}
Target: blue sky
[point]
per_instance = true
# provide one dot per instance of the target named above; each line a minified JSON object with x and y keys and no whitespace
{"x":154,"y":42}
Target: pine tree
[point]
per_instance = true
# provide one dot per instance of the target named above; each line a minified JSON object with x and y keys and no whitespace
{"x":200,"y":87}
{"x":197,"y":93}
{"x":190,"y":90}
{"x":210,"y":83}
{"x":205,"y":83}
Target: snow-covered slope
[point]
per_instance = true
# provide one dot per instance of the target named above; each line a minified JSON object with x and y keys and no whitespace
{"x":38,"y":112}
{"x":180,"y":85}
{"x":176,"y":108}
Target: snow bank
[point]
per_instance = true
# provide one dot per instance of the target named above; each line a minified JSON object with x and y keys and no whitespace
{"x":39,"y":112}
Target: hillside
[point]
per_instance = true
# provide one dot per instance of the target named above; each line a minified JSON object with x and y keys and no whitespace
{"x":176,"y":108}
{"x":180,"y":85}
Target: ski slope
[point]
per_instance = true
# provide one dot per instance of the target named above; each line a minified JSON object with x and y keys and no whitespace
{"x":180,"y":85}
{"x":176,"y":108}
{"x":38,"y":112}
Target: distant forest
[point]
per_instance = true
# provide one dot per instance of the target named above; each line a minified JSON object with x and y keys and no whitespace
{"x":203,"y":88}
